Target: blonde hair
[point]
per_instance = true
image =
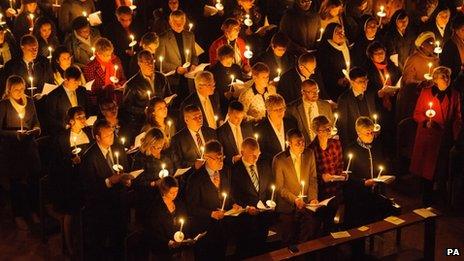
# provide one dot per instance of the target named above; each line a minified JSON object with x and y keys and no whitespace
{"x":273,"y":101}
{"x":441,"y":70}
{"x":153,"y":136}
{"x":364,"y":122}
{"x":10,"y":82}
{"x":203,"y":77}
{"x":103,"y":45}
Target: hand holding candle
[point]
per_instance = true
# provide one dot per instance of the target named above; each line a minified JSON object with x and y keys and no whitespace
{"x":224,"y":195}
{"x":21,"y":118}
{"x":256,"y":135}
{"x":179,"y":235}
{"x":271,"y":203}
{"x":380,"y":171}
{"x":350,"y":157}
{"x":302,"y":194}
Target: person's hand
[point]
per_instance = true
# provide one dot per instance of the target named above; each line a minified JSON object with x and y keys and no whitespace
{"x":152,"y":184}
{"x":369,"y":182}
{"x":76,"y":160}
{"x":314,"y":201}
{"x":299,"y":203}
{"x":20,"y":135}
{"x":424,"y":18}
{"x":343,"y":82}
{"x":181,"y":70}
{"x":326,"y":177}
{"x":192,"y":67}
{"x":199,"y":163}
{"x":10,"y":12}
{"x":174,"y":244}
{"x":236,"y":158}
{"x":127,"y":182}
{"x":130,"y":52}
{"x":115,"y":179}
{"x":252,"y":211}
{"x":236,"y":207}
{"x":218,"y":214}
{"x":246,"y":68}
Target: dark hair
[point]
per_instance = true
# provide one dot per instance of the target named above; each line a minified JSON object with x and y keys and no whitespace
{"x":236,"y":106}
{"x":72,"y":73}
{"x":72,"y":112}
{"x":319,"y":121}
{"x":357,"y":72}
{"x":294,"y":133}
{"x":306,"y":58}
{"x":260,"y":68}
{"x":144,"y":55}
{"x":79,"y":23}
{"x":225,"y":51}
{"x":151,"y":108}
{"x":228,"y":23}
{"x":98,"y":126}
{"x":190,"y":108}
{"x":213,"y":146}
{"x":149,"y":38}
{"x":56,"y":56}
{"x":166,"y":183}
{"x":123,"y":9}
{"x":374,"y":46}
{"x":28,"y":39}
{"x":280,"y":39}
{"x":39,"y":23}
{"x":458,"y":22}
{"x":251,"y":143}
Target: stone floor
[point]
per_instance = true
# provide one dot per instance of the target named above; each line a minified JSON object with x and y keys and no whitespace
{"x":20,"y":245}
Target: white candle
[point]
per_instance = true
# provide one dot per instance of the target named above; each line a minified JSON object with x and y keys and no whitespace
{"x":216,"y":118}
{"x":336,"y":119}
{"x":31,"y":79}
{"x":278,"y":72}
{"x":224,"y":195}
{"x":387,"y":76}
{"x":273,"y":191}
{"x":161,"y":58}
{"x":149,"y":95}
{"x":187,"y":52}
{"x":132,"y":37}
{"x":350,"y":156}
{"x":375,"y":118}
{"x":202,"y":150}
{"x":50,"y":49}
{"x":256,"y":136}
{"x":169,"y":123}
{"x":190,"y":27}
{"x":348,"y":67}
{"x":181,"y":224}
{"x":380,"y":171}
{"x":116,"y":154}
{"x":232,"y":79}
{"x":115,"y":70}
{"x":21,"y":117}
{"x":93,"y":51}
{"x":430,"y":68}
{"x":321,"y":32}
{"x":302,"y":188}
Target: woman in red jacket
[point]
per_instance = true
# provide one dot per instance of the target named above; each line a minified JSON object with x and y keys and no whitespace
{"x":438,"y":117}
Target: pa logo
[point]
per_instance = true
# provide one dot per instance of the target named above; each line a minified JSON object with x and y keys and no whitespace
{"x":453,"y":252}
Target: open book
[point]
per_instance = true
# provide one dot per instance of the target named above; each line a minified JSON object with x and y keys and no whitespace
{"x":169,"y":99}
{"x":180,"y":172}
{"x":387,"y":179}
{"x":261,"y":207}
{"x":48,"y":88}
{"x":199,"y":68}
{"x":314,"y":207}
{"x":234,"y":212}
{"x":88,"y":85}
{"x":424,"y":212}
{"x":91,"y":120}
{"x":95,"y":18}
{"x":195,"y":239}
{"x":132,"y":175}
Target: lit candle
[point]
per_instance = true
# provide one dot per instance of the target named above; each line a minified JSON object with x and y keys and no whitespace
{"x":302,"y":188}
{"x":181,"y":224}
{"x":190,"y":27}
{"x":219,"y":6}
{"x":224,"y":195}
{"x":161,"y":58}
{"x":381,"y":14}
{"x":273,"y":191}
{"x":248,"y":53}
{"x":84,"y":13}
{"x":1,"y":18}
{"x":202,"y":150}
{"x":31,"y":79}
{"x":123,"y":140}
{"x":387,"y":76}
{"x":216,"y":118}
{"x":278,"y":72}
{"x":430,"y":68}
{"x":336,"y":119}
{"x":380,"y":171}
{"x":115,"y":70}
{"x":350,"y":156}
{"x":169,"y":123}
{"x":375,"y":118}
{"x":256,"y":136}
{"x":50,"y":49}
{"x":93,"y":51}
{"x":132,"y":37}
{"x":21,"y":117}
{"x":116,"y":154}
{"x":348,"y":67}
{"x":31,"y":17}
{"x":430,"y":105}
{"x":149,"y":95}
{"x":163,"y":172}
{"x":187,"y":52}
{"x":232,"y":79}
{"x":321,"y":32}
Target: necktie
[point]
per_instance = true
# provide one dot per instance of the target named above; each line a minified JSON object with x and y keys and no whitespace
{"x":238,"y":137}
{"x":209,"y":113}
{"x":254,"y":177}
{"x":73,"y":98}
{"x":216,"y":179}
{"x":199,"y":140}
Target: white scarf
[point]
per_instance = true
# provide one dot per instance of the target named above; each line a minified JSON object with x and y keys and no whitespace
{"x":19,"y":108}
{"x":342,"y":48}
{"x":83,"y":40}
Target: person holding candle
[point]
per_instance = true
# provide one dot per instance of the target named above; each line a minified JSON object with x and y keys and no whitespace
{"x":69,"y":94}
{"x":29,"y":64}
{"x":102,"y":69}
{"x":149,"y":42}
{"x":453,"y":50}
{"x":251,"y":182}
{"x":109,"y":111}
{"x":296,"y":184}
{"x":226,"y":72}
{"x":187,"y":143}
{"x":368,"y":35}
{"x":156,"y":116}
{"x":333,"y":56}
{"x":45,"y":33}
{"x":160,"y":22}
{"x":104,"y":192}
{"x":70,"y":10}
{"x":62,"y":60}
{"x":152,"y":158}
{"x":307,"y":108}
{"x":64,"y":174}
{"x":204,"y":201}
{"x":81,"y":40}
{"x":20,"y":149}
{"x":328,"y":154}
{"x":8,"y":48}
{"x":165,"y":213}
{"x":331,"y":12}
{"x":26,"y":18}
{"x":206,"y":99}
{"x":435,"y":135}
{"x":439,"y":24}
{"x":136,"y":98}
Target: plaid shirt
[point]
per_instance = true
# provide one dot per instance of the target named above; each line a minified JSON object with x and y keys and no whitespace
{"x":328,"y":161}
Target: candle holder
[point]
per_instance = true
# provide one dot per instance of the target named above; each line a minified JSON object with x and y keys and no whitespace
{"x":179,"y":236}
{"x":163,"y":172}
{"x":428,"y":76}
{"x":334,"y":131}
{"x":248,"y":53}
{"x":219,"y":6}
{"x":438,"y":50}
{"x":271,"y":203}
{"x":430,"y":113}
{"x":114,"y":79}
{"x":377,"y":127}
{"x":248,"y":22}
{"x":118,"y":167}
{"x":133,"y":7}
{"x":132,"y":43}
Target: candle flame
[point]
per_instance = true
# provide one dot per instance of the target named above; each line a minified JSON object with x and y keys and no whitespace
{"x":50,"y":48}
{"x":350,"y":155}
{"x":163,"y":165}
{"x":116,"y":154}
{"x":430,"y":65}
{"x":84,"y":13}
{"x":272,"y":187}
{"x":123,"y":140}
{"x":21,"y":116}
{"x":224,"y":194}
{"x":93,"y":49}
{"x":256,"y":136}
{"x":302,"y":183}
{"x":116,"y":67}
{"x":380,"y":167}
{"x":374,"y":116}
{"x":430,"y":104}
{"x":181,"y":220}
{"x":161,"y":58}
{"x":336,"y":115}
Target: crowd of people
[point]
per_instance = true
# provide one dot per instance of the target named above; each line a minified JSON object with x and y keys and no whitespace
{"x":230,"y":117}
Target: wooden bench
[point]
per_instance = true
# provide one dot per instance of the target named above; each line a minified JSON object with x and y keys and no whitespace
{"x":380,"y":227}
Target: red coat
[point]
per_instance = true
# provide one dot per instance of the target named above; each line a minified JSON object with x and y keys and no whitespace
{"x":432,"y":145}
{"x":222,"y":41}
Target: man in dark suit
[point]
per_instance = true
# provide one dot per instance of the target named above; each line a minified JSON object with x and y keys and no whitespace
{"x":139,"y":89}
{"x":30,"y":64}
{"x":271,"y":130}
{"x":290,"y":82}
{"x":277,"y":57}
{"x":206,"y":190}
{"x":205,"y":98}
{"x":187,"y":144}
{"x":68,"y":94}
{"x":103,"y":193}
{"x":307,"y":108}
{"x":353,"y":103}
{"x":233,"y":132}
{"x":251,"y":183}
{"x":296,"y":182}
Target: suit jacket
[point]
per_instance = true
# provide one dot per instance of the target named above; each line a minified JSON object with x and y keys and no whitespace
{"x":58,"y":104}
{"x":243,"y":189}
{"x":184,"y":149}
{"x":202,"y":197}
{"x":297,"y":111}
{"x":289,"y":85}
{"x":93,"y":171}
{"x":42,"y":72}
{"x":268,"y":140}
{"x":287,"y":62}
{"x":170,"y":51}
{"x":287,"y":184}
{"x":194,"y":99}
{"x":349,"y":113}
{"x":226,"y":138}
